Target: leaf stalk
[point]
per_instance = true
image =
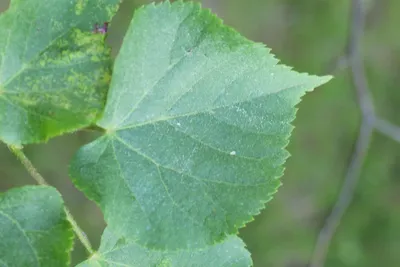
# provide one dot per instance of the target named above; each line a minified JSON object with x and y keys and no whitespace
{"x":17,"y":151}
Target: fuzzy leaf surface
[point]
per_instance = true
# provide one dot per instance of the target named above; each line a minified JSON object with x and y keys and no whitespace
{"x":116,"y":251}
{"x":54,"y":72}
{"x":196,"y":122}
{"x":34,"y":230}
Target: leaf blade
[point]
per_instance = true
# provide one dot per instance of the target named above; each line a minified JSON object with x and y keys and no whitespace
{"x":189,"y":155}
{"x":34,"y":229}
{"x":54,"y":73}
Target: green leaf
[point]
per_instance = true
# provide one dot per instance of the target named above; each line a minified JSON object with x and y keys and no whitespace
{"x":54,"y":72}
{"x":116,"y":251}
{"x":34,"y":230}
{"x":196,"y":122}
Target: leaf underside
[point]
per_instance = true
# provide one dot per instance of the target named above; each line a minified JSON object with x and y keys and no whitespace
{"x":54,"y":72}
{"x":196,"y":122}
{"x":116,"y":251}
{"x":34,"y":230}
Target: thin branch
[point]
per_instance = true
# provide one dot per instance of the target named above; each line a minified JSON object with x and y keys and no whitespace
{"x":345,"y":196}
{"x":40,"y":180}
{"x":388,"y":129}
{"x":364,"y":139}
{"x":28,"y":165}
{"x":337,"y":64}
{"x":356,"y":61}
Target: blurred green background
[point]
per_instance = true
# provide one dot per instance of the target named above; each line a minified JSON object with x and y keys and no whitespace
{"x":309,"y":35}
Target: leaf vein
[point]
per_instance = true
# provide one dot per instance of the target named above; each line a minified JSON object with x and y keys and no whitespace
{"x":126,"y":185}
{"x":26,"y":65}
{"x":198,"y":112}
{"x":16,"y":223}
{"x":6,"y":47}
{"x":175,"y":203}
{"x":167,"y":72}
{"x":27,"y":111}
{"x":209,"y":145}
{"x":183,"y":173}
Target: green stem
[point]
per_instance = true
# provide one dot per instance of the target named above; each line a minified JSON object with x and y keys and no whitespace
{"x":28,"y":165}
{"x":93,"y":128}
{"x":40,"y":180}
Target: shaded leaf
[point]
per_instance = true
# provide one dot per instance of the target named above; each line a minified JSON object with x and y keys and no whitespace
{"x":54,"y":72}
{"x":34,"y":230}
{"x":116,"y":251}
{"x":196,"y":122}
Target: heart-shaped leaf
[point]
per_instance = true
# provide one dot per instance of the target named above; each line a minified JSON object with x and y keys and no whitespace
{"x":196,"y":122}
{"x":34,"y":230}
{"x":54,"y":72}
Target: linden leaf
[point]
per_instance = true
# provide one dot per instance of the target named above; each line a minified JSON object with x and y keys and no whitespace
{"x":34,"y":230}
{"x":196,"y":122}
{"x":54,"y":72}
{"x":116,"y":251}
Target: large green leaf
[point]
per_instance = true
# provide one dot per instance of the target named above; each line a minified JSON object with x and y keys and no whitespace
{"x":196,"y":122}
{"x":54,"y":72}
{"x":116,"y":251}
{"x":34,"y":230}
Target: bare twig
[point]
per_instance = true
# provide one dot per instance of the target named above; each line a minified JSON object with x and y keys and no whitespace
{"x":363,"y":141}
{"x":40,"y":180}
{"x":356,"y":61}
{"x":337,"y":64}
{"x":388,"y":129}
{"x":345,"y":196}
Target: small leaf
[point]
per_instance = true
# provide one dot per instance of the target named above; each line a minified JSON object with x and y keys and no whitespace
{"x":54,"y":72}
{"x":197,"y":119}
{"x":34,"y":230}
{"x":116,"y":251}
